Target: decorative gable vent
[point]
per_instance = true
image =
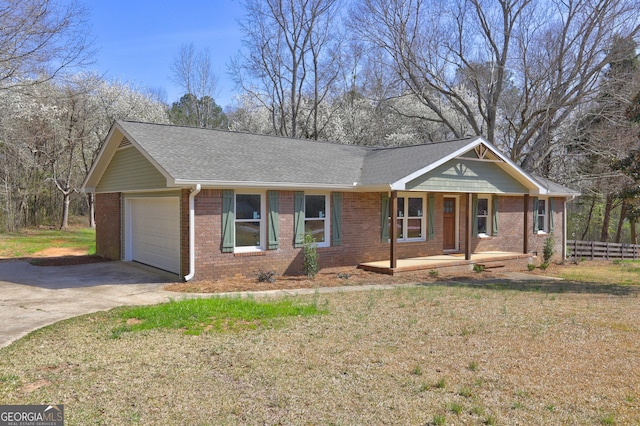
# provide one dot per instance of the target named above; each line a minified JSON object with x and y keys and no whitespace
{"x":125,"y":143}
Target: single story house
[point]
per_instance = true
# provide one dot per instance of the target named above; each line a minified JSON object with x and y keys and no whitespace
{"x":206,"y":204}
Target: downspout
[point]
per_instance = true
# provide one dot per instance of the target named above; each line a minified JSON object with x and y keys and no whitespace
{"x":192,"y":233}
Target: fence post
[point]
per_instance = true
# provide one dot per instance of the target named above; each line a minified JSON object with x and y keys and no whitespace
{"x":592,"y":251}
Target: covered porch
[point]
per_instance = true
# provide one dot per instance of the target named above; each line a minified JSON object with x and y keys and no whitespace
{"x":488,"y":260}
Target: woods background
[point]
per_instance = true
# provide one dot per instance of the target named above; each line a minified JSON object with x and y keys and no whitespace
{"x":554,"y":84}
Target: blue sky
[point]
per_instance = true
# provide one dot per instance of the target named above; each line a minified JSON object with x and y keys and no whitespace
{"x":138,"y":39}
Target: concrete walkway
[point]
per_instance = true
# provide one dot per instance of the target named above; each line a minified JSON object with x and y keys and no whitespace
{"x":32,"y":297}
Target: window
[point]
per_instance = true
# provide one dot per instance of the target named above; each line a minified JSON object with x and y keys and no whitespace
{"x":541,"y":216}
{"x":316,"y":221}
{"x":483,"y":217}
{"x":411,"y":223}
{"x":249,"y":223}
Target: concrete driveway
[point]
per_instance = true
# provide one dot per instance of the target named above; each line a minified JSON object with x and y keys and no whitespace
{"x":34,"y":296}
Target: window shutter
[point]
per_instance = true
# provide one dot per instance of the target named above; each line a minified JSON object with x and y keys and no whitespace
{"x":336,"y":218}
{"x":272,"y":216}
{"x":550,"y":213}
{"x":431,"y":217}
{"x":494,"y":212}
{"x":474,"y":214}
{"x":385,"y":218}
{"x":298,"y":219}
{"x":228,"y":219}
{"x":535,"y":215}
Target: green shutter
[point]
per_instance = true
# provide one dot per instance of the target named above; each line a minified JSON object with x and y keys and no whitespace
{"x":550,"y":213}
{"x":228,"y":220}
{"x":494,"y":212}
{"x":298,"y":219}
{"x":535,"y":215}
{"x":336,"y":218}
{"x":431,"y":217}
{"x":474,"y":214}
{"x":385,"y":218}
{"x":272,"y":217}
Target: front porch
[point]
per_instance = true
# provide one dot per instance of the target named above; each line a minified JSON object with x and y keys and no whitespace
{"x":490,"y":260}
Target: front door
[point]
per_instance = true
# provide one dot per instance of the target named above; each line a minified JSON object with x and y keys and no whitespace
{"x":449,"y":224}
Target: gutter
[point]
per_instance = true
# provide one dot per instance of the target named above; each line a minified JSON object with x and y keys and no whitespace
{"x":192,"y":233}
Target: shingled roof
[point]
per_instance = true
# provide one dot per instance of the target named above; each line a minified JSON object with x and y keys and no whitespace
{"x":188,"y":155}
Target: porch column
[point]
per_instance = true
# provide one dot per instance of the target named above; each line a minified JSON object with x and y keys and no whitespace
{"x":468,"y":228}
{"x":525,"y":239}
{"x":393,"y":224}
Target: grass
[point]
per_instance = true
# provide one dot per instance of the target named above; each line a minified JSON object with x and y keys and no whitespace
{"x":194,"y":316}
{"x":31,"y":241}
{"x":616,"y":272}
{"x":400,"y":360}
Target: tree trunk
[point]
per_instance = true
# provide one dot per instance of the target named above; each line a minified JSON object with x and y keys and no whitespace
{"x":92,"y":210}
{"x":604,"y":236}
{"x":66,"y":200}
{"x":623,"y":215}
{"x":634,"y":237}
{"x":588,"y":224}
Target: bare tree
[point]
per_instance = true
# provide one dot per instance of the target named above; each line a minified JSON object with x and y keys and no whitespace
{"x":515,"y":70}
{"x":41,"y":38}
{"x":194,"y":73}
{"x":291,"y":61}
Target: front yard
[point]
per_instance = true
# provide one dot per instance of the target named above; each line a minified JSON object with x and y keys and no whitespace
{"x":442,"y":353}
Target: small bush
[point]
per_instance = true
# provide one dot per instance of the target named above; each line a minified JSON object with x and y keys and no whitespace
{"x":544,"y":265}
{"x":433,"y":273}
{"x":531,"y":266}
{"x":266,"y":277}
{"x":310,"y":251}
{"x":478,"y":268}
{"x":548,"y":249}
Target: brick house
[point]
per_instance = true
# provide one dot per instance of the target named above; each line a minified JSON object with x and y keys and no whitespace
{"x":206,"y":204}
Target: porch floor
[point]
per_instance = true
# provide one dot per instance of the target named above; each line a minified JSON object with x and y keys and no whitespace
{"x":489,"y":259}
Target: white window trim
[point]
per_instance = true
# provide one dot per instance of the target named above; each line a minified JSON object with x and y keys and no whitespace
{"x":263,"y":222}
{"x":489,"y":216}
{"x":423,"y":222}
{"x":545,"y":222}
{"x":327,"y":217}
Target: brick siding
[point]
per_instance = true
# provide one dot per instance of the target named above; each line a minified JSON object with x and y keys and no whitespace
{"x":361,"y":234}
{"x":108,"y":229}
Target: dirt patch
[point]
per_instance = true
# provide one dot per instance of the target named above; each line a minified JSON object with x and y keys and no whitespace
{"x":61,"y":251}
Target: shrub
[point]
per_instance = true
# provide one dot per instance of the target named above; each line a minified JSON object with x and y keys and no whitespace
{"x":531,"y":266}
{"x":478,"y":268}
{"x":266,"y":277}
{"x":309,"y":249}
{"x":548,"y":249}
{"x":433,"y":273}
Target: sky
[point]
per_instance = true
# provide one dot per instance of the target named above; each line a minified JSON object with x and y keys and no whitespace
{"x":137,"y":40}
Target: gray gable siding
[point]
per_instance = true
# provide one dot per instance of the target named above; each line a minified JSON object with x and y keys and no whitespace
{"x":129,"y":170}
{"x":468,"y":176}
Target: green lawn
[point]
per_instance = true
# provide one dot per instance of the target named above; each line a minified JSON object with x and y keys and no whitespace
{"x":31,"y":241}
{"x":433,"y":354}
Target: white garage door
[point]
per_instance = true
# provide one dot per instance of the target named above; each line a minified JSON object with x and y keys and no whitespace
{"x":155,"y":232}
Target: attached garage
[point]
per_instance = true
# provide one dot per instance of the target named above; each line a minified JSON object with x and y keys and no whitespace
{"x":152,"y":232}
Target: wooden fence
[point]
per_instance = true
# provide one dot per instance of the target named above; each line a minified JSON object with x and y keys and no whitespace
{"x":598,"y":250}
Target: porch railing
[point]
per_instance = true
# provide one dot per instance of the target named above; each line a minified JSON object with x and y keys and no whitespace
{"x":598,"y":250}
